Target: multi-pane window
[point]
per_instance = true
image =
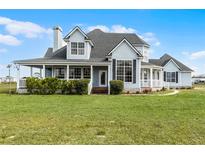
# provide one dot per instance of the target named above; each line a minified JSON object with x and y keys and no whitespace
{"x":171,"y":76}
{"x":86,"y":73}
{"x":79,"y":73}
{"x":77,"y":48}
{"x":59,"y":73}
{"x":124,"y":70}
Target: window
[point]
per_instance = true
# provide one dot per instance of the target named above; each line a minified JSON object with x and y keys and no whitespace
{"x":60,"y":73}
{"x":86,"y":73}
{"x":79,"y":73}
{"x":171,"y":76}
{"x":77,"y":48}
{"x":124,"y":70}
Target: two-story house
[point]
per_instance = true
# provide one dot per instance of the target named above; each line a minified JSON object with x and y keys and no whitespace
{"x":102,"y":57}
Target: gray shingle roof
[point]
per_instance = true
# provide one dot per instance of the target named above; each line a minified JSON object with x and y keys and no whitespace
{"x":166,"y":58}
{"x":105,"y":42}
{"x":49,"y":52}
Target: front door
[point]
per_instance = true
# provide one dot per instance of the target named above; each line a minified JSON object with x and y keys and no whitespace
{"x":102,"y":78}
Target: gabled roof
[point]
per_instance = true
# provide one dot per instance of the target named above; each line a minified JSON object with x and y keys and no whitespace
{"x":105,"y":42}
{"x":165,"y":59}
{"x":73,"y":30}
{"x":130,"y":45}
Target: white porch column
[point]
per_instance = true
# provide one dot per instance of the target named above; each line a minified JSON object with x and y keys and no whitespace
{"x":67,"y":76}
{"x":18,"y":76}
{"x":151,"y":78}
{"x":43,"y":71}
{"x":91,"y":74}
{"x":31,"y":71}
{"x":109,"y":78}
{"x":161,"y":78}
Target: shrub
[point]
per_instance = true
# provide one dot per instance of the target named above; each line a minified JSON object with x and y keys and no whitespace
{"x":42,"y":86}
{"x":31,"y":84}
{"x":81,"y":86}
{"x":146,"y":91}
{"x":116,"y":87}
{"x":63,"y":86}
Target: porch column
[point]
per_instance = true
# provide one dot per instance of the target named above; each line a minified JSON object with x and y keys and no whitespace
{"x":67,"y":76}
{"x":109,"y":78}
{"x":31,"y":71}
{"x":151,"y":78}
{"x":161,"y":78}
{"x":91,"y":74}
{"x":18,"y":76}
{"x":43,"y":71}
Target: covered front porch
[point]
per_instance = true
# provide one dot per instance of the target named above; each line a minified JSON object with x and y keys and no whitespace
{"x":151,"y":77}
{"x":99,"y":75}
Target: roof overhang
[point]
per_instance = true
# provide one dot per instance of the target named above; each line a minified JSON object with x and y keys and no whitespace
{"x":125,"y":40}
{"x":73,"y":30}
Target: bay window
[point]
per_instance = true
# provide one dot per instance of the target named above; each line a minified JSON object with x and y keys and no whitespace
{"x":77,"y":48}
{"x":124,"y":70}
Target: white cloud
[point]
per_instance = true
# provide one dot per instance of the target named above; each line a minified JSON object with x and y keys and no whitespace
{"x":101,"y":27}
{"x":149,"y":37}
{"x":3,"y":50}
{"x":197,"y":55}
{"x":25,"y":28}
{"x":9,"y":40}
{"x":113,"y":28}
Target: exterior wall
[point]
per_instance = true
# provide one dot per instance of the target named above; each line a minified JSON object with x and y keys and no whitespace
{"x":125,"y":52}
{"x":144,"y":51}
{"x":186,"y":80}
{"x":171,"y":67}
{"x":96,"y":70}
{"x":77,"y":36}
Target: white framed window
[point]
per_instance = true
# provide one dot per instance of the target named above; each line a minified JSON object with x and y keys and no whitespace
{"x":171,"y":76}
{"x":124,"y":70}
{"x":79,"y":73}
{"x":77,"y":48}
{"x":59,"y":73}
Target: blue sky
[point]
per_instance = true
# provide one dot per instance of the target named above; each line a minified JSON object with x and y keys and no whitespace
{"x":180,"y":33}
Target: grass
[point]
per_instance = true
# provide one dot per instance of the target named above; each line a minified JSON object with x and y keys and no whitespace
{"x":4,"y":87}
{"x":100,"y":119}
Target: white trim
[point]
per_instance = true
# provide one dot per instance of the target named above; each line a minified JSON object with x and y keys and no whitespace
{"x":77,"y":49}
{"x":99,"y":77}
{"x":124,"y":70}
{"x":173,"y":62}
{"x":73,"y":30}
{"x":125,"y":40}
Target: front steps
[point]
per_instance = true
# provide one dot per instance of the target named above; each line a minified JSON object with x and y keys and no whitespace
{"x":99,"y":90}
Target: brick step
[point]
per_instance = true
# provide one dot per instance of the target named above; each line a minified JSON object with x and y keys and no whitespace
{"x":99,"y":90}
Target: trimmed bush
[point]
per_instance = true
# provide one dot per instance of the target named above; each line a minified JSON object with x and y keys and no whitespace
{"x":42,"y":86}
{"x":81,"y":86}
{"x":116,"y":87}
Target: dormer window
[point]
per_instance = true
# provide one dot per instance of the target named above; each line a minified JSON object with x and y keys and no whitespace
{"x":77,"y":48}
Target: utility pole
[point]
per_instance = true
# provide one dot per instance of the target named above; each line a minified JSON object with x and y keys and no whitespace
{"x":9,"y":67}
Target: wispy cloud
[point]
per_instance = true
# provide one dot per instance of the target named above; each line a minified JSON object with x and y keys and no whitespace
{"x":148,"y":36}
{"x":3,"y":50}
{"x":25,"y":28}
{"x":195,"y":55}
{"x":151,"y":38}
{"x":9,"y":40}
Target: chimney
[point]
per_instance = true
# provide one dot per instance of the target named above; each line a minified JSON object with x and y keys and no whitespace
{"x":58,"y":40}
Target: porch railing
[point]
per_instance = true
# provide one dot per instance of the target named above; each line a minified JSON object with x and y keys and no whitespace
{"x":22,"y":83}
{"x":155,"y":83}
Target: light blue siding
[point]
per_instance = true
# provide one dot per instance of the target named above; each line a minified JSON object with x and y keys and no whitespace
{"x":96,"y":70}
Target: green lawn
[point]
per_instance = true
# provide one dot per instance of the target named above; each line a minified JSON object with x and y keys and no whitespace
{"x":5,"y":87}
{"x":100,"y":119}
